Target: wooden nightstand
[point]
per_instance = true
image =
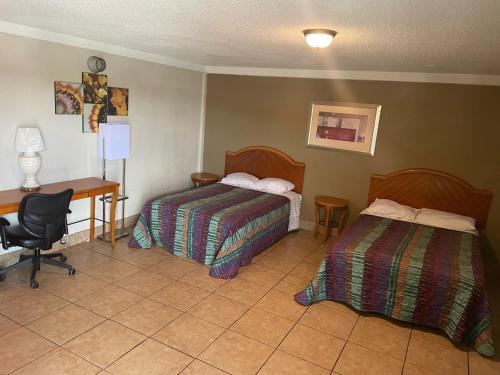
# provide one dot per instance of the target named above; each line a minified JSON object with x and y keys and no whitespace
{"x":203,"y":178}
{"x":330,"y":205}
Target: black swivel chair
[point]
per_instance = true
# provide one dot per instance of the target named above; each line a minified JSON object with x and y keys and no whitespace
{"x":42,"y":221}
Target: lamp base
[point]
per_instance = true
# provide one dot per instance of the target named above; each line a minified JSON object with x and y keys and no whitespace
{"x":30,"y":189}
{"x":30,"y":163}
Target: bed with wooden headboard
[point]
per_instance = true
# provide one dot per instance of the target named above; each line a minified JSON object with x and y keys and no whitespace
{"x":263,"y":161}
{"x":434,"y":189}
{"x":411,"y":272}
{"x":224,"y":225}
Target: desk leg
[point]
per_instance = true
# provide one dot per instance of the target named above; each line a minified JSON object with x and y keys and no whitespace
{"x":92,"y":218}
{"x":112,"y":218}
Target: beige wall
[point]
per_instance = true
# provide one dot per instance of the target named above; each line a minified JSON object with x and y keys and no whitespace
{"x":455,"y":128}
{"x":165,"y":113}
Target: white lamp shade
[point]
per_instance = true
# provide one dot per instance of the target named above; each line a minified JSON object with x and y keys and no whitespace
{"x":116,"y":140}
{"x":29,"y":140}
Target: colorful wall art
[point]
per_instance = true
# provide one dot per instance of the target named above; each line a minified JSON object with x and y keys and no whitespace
{"x":95,"y":88}
{"x":68,"y":98}
{"x":93,"y":115}
{"x":92,"y":99}
{"x":117,"y":101}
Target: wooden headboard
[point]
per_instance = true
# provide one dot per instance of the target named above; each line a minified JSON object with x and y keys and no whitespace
{"x":429,"y":188}
{"x":262,"y":162}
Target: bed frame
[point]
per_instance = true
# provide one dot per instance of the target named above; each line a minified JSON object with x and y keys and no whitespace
{"x":262,"y":162}
{"x":434,"y":189}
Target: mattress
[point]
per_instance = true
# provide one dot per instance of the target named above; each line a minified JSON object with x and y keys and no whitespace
{"x":295,"y":206}
{"x":218,"y":225}
{"x":410,"y":272}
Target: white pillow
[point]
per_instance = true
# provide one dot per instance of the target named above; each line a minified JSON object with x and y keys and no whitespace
{"x":240,"y":179}
{"x":390,"y":209}
{"x":446,"y":220}
{"x":274,"y":185}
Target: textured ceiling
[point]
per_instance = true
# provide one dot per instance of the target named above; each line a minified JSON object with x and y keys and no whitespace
{"x":439,"y":36}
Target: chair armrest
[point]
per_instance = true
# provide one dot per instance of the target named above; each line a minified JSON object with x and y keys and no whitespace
{"x":3,"y":237}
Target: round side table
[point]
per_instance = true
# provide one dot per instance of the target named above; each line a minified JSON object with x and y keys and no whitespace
{"x":330,"y":205}
{"x":203,"y":178}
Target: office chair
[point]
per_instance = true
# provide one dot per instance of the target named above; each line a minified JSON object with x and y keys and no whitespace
{"x":42,"y":221}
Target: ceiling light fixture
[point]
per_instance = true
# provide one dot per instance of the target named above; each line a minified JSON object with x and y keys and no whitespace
{"x":319,"y":38}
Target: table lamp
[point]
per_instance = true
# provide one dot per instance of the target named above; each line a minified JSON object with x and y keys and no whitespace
{"x":114,"y":144}
{"x":29,"y":142}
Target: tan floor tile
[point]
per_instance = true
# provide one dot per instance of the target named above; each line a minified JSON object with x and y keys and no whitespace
{"x":304,"y":240}
{"x":278,"y":262}
{"x":143,"y":258}
{"x":104,"y":344}
{"x":261,"y":275}
{"x":201,"y":368}
{"x":356,"y":360}
{"x":263,"y":326}
{"x":281,"y":304}
{"x":242,"y":291}
{"x":75,"y":287}
{"x":20,"y":347}
{"x":144,"y":283}
{"x":151,"y":357}
{"x":59,"y":362}
{"x":32,"y":306}
{"x":282,"y":363}
{"x":219,"y":310}
{"x":7,"y":325}
{"x":113,"y":271}
{"x":317,"y":256}
{"x":180,"y":295}
{"x":289,"y":250}
{"x":200,"y":278}
{"x":10,"y":290}
{"x":327,"y":317}
{"x":84,"y":260}
{"x":435,"y":352}
{"x":479,"y":365}
{"x":174,"y":268}
{"x":65,"y":324}
{"x":411,"y":369}
{"x":292,"y":284}
{"x":388,"y":337}
{"x":236,"y":354}
{"x":314,"y":346}
{"x":306,"y":270}
{"x":147,"y":316}
{"x":109,"y":301}
{"x":121,"y":249}
{"x":189,"y":334}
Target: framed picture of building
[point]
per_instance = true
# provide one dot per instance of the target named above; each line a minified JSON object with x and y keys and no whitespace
{"x":344,"y":126}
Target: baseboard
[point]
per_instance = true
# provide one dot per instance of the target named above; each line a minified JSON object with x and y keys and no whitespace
{"x":72,"y":240}
{"x":307,"y":225}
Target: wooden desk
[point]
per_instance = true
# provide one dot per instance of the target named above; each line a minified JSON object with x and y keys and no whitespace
{"x":83,"y":188}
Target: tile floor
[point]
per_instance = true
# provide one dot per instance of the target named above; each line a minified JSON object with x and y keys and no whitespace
{"x":132,"y":311}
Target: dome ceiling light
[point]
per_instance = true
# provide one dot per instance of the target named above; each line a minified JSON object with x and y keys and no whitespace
{"x":319,"y":38}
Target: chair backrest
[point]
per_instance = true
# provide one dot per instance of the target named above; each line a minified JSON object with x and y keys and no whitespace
{"x":44,"y":215}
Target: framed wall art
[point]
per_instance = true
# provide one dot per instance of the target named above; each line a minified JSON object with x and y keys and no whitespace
{"x":344,"y":126}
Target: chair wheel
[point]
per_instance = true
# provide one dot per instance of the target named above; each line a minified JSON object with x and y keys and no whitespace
{"x":2,"y":277}
{"x":63,"y":258}
{"x":34,"y":284}
{"x":72,"y":271}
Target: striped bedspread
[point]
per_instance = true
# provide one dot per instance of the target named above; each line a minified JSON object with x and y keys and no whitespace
{"x":415,"y":273}
{"x":218,"y":225}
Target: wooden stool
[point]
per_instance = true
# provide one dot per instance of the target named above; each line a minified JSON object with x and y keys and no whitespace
{"x":203,"y":178}
{"x":330,"y":205}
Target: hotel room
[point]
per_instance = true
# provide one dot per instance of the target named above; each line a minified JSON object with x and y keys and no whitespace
{"x":248,"y":187}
